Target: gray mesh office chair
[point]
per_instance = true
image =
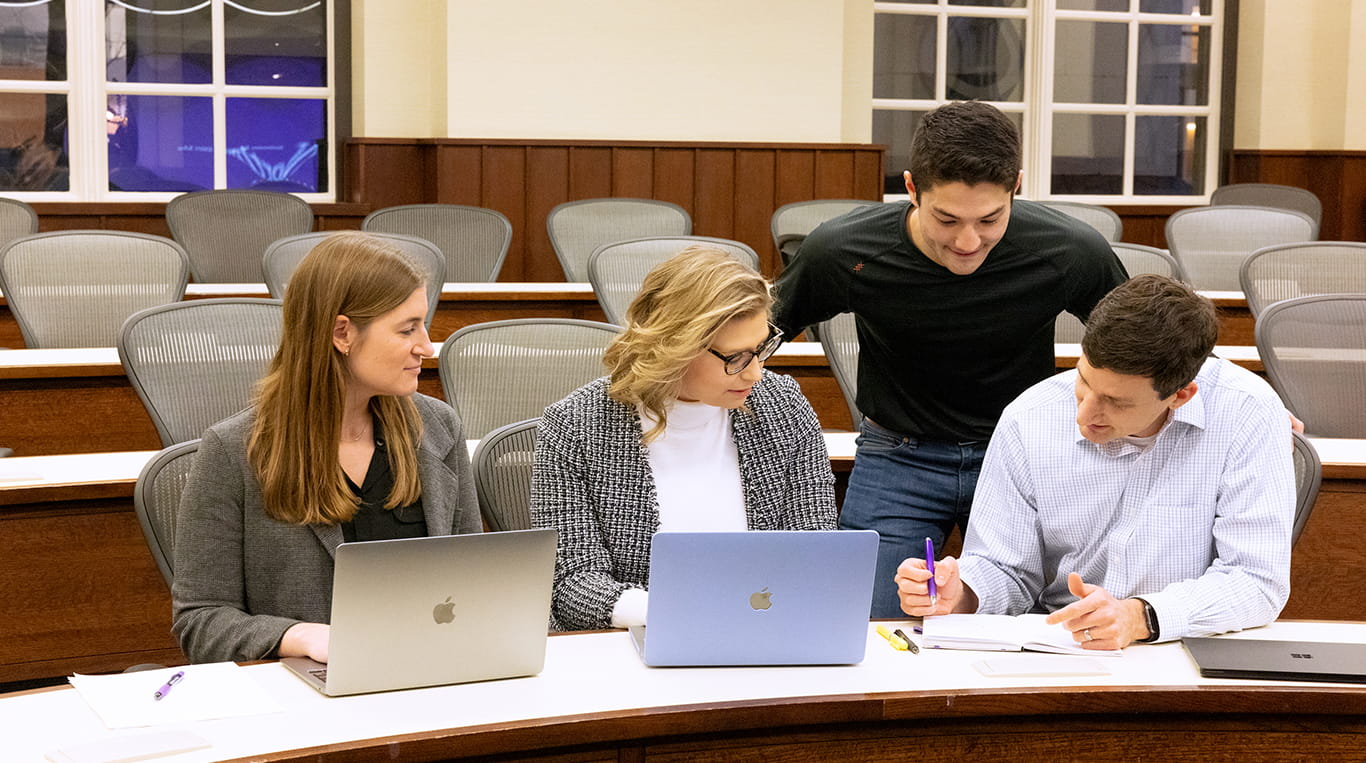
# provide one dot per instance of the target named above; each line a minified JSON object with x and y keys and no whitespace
{"x":839,"y":339}
{"x":75,"y":288}
{"x":616,"y":270}
{"x":1314,"y":350}
{"x":283,"y":257}
{"x":791,"y":223}
{"x":1103,"y":219}
{"x":504,"y":371}
{"x":225,"y":232}
{"x":16,"y":219}
{"x":1137,"y":260}
{"x":1270,"y":195}
{"x":474,"y":240}
{"x":1308,"y":477}
{"x":502,"y":475}
{"x":156,"y":499}
{"x":578,"y":228}
{"x":1286,"y":271}
{"x":1212,"y":242}
{"x":197,"y":362}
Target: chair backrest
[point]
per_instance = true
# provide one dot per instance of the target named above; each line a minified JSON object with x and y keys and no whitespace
{"x":283,"y":257}
{"x":1137,"y":260}
{"x":616,"y":270}
{"x":1103,"y":219}
{"x":474,"y":240}
{"x":578,"y":228}
{"x":1314,"y":351}
{"x":225,"y":232}
{"x":502,"y":475}
{"x":839,"y":339}
{"x":75,"y":288}
{"x":1286,"y":271}
{"x":156,"y":499}
{"x":1212,"y":242}
{"x":194,"y":363}
{"x":504,"y":371}
{"x":1270,"y":195}
{"x":16,"y":219}
{"x":791,"y":223}
{"x":1308,"y":476}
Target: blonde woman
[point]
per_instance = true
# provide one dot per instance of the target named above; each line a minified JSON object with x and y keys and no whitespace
{"x":338,"y":446}
{"x":688,"y":432}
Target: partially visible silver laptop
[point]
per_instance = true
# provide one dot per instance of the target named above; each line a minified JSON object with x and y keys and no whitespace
{"x":1278,"y":660}
{"x":758,"y":598}
{"x":433,"y":611}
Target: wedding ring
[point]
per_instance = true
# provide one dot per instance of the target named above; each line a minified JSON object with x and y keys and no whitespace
{"x":1089,"y":637}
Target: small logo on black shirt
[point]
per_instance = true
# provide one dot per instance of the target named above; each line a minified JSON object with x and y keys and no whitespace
{"x":858,"y":267}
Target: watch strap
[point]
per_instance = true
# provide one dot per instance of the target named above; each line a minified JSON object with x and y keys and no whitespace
{"x":1150,"y":617}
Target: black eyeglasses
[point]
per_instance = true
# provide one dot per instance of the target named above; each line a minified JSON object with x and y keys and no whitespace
{"x":739,"y":361}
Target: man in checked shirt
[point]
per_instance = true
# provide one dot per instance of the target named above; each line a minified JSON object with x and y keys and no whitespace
{"x":1145,"y":496}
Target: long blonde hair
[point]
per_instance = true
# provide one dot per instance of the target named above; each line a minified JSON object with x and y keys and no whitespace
{"x":682,"y":305}
{"x":293,"y":446}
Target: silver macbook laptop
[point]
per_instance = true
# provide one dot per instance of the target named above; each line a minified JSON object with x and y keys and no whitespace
{"x":758,"y":598}
{"x":1278,"y":660}
{"x":434,"y":611}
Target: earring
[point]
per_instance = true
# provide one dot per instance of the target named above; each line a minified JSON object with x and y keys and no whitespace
{"x":347,"y":352}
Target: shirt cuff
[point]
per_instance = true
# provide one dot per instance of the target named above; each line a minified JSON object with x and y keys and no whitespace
{"x":630,"y":608}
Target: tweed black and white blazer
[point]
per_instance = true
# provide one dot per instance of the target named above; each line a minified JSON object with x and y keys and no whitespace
{"x":592,"y":483}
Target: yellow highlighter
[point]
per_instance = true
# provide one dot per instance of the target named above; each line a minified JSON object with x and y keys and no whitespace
{"x":896,"y":641}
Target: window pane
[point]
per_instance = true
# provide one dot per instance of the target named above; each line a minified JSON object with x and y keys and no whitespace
{"x":1183,"y":7}
{"x":903,"y":55}
{"x":158,"y":41}
{"x":1169,"y":156}
{"x":1088,"y":154}
{"x":33,"y":142}
{"x":990,"y":3}
{"x":1089,"y":62}
{"x":1173,"y":64}
{"x":33,"y":41}
{"x":275,"y":42}
{"x":275,"y":144}
{"x":894,"y":130}
{"x":1109,"y":6}
{"x":160,"y":143}
{"x":986,"y":59}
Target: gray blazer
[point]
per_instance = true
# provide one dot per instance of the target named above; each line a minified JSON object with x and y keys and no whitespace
{"x":592,"y":483}
{"x":243,"y":578}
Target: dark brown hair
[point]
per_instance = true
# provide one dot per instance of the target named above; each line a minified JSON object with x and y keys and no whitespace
{"x":1154,"y":327}
{"x":968,"y":142}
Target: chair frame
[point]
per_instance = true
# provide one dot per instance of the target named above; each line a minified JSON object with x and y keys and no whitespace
{"x":557,"y":244}
{"x":845,"y":377}
{"x":1245,"y":278}
{"x":781,"y":239}
{"x":1274,"y":372}
{"x":276,"y":287}
{"x":1311,"y":199}
{"x":448,"y":257}
{"x":24,"y":207}
{"x":178,"y":230}
{"x":595,"y":275}
{"x":161,"y":547}
{"x":1179,"y":214}
{"x":1306,"y":491}
{"x":1115,"y":220}
{"x":491,"y":507}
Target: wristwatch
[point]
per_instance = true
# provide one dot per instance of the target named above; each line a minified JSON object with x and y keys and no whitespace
{"x":1150,"y":617}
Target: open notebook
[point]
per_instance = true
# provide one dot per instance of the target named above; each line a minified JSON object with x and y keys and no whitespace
{"x":1003,"y":633}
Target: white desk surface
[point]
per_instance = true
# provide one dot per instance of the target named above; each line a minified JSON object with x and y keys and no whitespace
{"x":591,"y":673}
{"x":492,"y":289}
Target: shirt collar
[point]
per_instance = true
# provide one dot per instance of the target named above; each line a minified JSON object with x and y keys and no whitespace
{"x":1190,"y":415}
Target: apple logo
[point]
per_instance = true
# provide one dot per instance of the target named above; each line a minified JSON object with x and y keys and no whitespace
{"x":761,"y":599}
{"x":444,"y":612}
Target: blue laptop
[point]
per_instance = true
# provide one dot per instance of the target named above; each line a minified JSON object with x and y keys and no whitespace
{"x":758,"y":598}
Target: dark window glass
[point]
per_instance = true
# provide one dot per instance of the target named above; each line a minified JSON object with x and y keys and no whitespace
{"x":160,"y":143}
{"x":903,"y":50}
{"x":158,"y":41}
{"x":1183,"y":7}
{"x":1169,"y":156}
{"x":277,"y":144}
{"x":1173,"y":64}
{"x":33,"y":142}
{"x":33,"y":41}
{"x":990,"y":3}
{"x":1088,"y":154}
{"x":275,"y":42}
{"x":1089,"y":62}
{"x":1111,"y":6}
{"x":985,"y":59}
{"x":894,"y":130}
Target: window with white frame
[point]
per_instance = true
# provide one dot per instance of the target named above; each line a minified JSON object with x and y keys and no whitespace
{"x":1117,"y":100}
{"x":125,"y":100}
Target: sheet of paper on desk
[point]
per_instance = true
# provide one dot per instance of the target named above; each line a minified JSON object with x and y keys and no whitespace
{"x":214,"y":690}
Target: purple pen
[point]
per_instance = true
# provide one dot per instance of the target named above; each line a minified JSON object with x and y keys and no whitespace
{"x":166,"y":687}
{"x":929,"y":565}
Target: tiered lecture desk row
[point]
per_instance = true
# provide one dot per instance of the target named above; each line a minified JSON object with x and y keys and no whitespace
{"x":595,"y":701}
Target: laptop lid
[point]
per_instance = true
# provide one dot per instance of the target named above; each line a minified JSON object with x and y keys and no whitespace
{"x":759,"y":598}
{"x":440,"y":610}
{"x":1278,"y":660}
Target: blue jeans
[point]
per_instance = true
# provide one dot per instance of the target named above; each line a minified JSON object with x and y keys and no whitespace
{"x":907,"y":490}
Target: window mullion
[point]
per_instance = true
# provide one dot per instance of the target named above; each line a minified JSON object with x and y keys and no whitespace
{"x":220,"y":103}
{"x":87,"y":144}
{"x":1038,"y":122}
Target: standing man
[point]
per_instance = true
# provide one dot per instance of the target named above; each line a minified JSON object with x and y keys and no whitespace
{"x":1147,"y":495}
{"x":955,"y":294}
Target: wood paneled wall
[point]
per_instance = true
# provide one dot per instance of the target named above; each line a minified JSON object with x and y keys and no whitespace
{"x":1338,"y":178}
{"x":730,"y":189}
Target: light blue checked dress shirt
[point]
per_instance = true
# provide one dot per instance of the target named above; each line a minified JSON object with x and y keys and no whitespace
{"x":1198,"y":524}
